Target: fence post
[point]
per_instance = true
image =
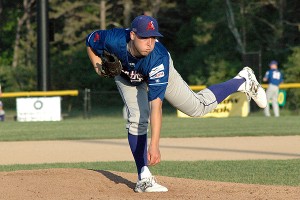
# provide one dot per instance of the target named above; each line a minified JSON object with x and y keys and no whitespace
{"x":87,"y":106}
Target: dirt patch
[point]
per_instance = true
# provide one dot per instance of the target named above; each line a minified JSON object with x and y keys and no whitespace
{"x":179,"y":149}
{"x":87,"y":184}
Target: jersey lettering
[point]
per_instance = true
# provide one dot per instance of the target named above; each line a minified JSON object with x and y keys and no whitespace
{"x":134,"y":76}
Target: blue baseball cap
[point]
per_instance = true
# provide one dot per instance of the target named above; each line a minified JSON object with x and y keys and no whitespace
{"x":145,"y":26}
{"x":273,"y":62}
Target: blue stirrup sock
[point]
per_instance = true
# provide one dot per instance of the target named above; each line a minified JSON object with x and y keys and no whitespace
{"x":138,"y":146}
{"x":223,"y":90}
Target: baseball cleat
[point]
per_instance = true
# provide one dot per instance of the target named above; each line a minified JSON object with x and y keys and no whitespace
{"x":252,"y":88}
{"x":149,"y":185}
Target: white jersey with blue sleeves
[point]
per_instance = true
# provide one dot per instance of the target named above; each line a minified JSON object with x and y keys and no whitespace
{"x":154,"y":68}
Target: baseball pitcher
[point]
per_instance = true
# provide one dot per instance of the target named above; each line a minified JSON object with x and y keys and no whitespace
{"x":144,"y":74}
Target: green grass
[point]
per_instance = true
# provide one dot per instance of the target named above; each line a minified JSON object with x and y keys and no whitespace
{"x":266,"y":172}
{"x":114,"y":127}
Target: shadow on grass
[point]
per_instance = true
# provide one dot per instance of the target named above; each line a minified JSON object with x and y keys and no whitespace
{"x":116,"y":178}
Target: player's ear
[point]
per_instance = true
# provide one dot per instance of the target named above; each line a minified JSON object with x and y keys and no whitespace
{"x":132,"y":35}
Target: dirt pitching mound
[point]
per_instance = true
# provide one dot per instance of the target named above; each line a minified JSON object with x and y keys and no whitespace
{"x":88,"y":184}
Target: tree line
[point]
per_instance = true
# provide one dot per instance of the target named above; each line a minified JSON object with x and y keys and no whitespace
{"x":207,"y":39}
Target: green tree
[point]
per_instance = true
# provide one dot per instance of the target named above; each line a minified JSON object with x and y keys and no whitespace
{"x":197,"y":34}
{"x":292,"y":75}
{"x":17,"y":49}
{"x":72,"y":21}
{"x":204,"y":50}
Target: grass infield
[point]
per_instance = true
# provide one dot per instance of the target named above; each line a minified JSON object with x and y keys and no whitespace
{"x":114,"y":127}
{"x":266,"y":172}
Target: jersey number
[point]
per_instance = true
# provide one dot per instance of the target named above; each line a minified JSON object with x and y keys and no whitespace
{"x":276,"y":75}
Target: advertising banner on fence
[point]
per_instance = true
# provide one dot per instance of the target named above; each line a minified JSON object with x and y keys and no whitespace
{"x":234,"y":105}
{"x":281,"y":97}
{"x":39,"y":109}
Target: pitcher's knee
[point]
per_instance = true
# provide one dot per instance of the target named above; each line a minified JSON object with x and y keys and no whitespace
{"x":201,"y":110}
{"x":138,"y":119}
{"x":137,"y":128}
{"x":137,"y":124}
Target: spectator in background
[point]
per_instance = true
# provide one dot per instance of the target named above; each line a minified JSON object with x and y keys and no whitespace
{"x":274,"y":77}
{"x":2,"y":112}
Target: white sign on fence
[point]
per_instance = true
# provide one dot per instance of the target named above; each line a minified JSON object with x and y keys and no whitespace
{"x":39,"y":109}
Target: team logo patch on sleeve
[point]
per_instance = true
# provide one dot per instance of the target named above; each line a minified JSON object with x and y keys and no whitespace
{"x":97,"y":37}
{"x":157,"y":69}
{"x":158,"y":75}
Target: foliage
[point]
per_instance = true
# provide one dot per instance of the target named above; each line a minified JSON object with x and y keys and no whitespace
{"x":6,"y":77}
{"x":25,"y":77}
{"x":292,"y":74}
{"x":17,"y":45}
{"x":197,"y":34}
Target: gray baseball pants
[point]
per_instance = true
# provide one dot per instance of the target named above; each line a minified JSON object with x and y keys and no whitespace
{"x":177,"y":94}
{"x":272,"y":95}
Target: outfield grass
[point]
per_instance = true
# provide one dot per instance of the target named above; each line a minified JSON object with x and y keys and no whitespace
{"x":266,"y":172}
{"x":114,"y":127}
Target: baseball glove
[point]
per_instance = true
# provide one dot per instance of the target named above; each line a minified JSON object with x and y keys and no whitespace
{"x":111,"y":65}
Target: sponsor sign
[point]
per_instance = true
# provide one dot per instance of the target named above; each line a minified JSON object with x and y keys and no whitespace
{"x":281,"y":97}
{"x":233,"y":106}
{"x":39,"y":109}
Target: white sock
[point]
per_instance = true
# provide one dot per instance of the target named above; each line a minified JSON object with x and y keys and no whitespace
{"x":242,"y":87}
{"x":145,"y":172}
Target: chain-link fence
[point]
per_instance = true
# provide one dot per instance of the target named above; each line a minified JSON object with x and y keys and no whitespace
{"x":87,"y":104}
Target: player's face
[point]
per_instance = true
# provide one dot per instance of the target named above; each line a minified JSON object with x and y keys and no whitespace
{"x":143,"y":46}
{"x":273,"y":66}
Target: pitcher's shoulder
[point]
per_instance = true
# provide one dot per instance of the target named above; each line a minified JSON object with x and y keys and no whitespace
{"x":160,"y":49}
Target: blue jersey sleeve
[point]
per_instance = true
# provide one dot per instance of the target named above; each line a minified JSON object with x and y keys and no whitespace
{"x":158,"y":81}
{"x":267,"y":75}
{"x":96,"y":40}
